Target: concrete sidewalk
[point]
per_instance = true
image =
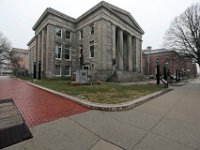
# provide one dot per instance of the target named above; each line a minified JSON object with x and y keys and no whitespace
{"x":168,"y":122}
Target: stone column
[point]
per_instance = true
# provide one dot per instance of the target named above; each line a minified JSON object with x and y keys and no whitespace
{"x":39,"y":47}
{"x":134,"y":54}
{"x":113,"y":41}
{"x":50,"y":50}
{"x":130,"y":55}
{"x":140,"y":48}
{"x":38,"y":54}
{"x":42,"y":50}
{"x":120,"y":49}
{"x":36,"y":47}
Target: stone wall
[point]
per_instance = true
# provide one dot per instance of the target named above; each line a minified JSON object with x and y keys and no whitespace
{"x":125,"y":76}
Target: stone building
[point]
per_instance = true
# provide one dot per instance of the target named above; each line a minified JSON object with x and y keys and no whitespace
{"x":169,"y":58}
{"x":108,"y":37}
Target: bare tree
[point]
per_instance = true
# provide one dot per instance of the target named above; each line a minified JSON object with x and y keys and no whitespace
{"x":184,"y":34}
{"x":5,"y":48}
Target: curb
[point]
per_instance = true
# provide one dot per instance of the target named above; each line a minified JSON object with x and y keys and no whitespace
{"x":106,"y":107}
{"x":178,"y":84}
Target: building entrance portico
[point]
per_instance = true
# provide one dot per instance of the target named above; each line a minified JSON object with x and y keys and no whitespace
{"x":124,"y":50}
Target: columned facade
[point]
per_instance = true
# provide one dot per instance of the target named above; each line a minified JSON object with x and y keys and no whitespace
{"x":126,"y":50}
{"x":109,"y":43}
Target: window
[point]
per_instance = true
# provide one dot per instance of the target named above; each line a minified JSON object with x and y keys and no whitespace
{"x":67,"y":53}
{"x":81,"y":50}
{"x":92,"y":29}
{"x":67,"y":70}
{"x":58,"y":51}
{"x":92,"y":68}
{"x":92,"y":49}
{"x":114,"y":61}
{"x":57,"y":70}
{"x":59,"y":32}
{"x":83,"y":74}
{"x":68,"y":35}
{"x":81,"y":34}
{"x":86,"y":67}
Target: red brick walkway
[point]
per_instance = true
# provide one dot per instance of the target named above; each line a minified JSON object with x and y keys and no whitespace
{"x":37,"y":106}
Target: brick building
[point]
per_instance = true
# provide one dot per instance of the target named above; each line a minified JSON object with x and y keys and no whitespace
{"x":22,"y":57}
{"x":169,"y":58}
{"x":108,"y":37}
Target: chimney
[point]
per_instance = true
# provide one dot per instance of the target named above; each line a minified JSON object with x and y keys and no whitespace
{"x":149,"y":48}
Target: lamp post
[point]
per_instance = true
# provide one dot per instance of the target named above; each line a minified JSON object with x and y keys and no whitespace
{"x":39,"y":70}
{"x":165,"y":71}
{"x":158,"y":71}
{"x":34,"y":70}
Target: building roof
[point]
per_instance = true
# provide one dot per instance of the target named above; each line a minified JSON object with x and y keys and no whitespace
{"x":31,"y":41}
{"x":122,"y":14}
{"x":19,"y":50}
{"x":156,"y":51}
{"x":50,"y":10}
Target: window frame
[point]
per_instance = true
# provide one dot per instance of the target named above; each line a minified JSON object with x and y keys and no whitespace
{"x":67,"y":34}
{"x":59,"y":29}
{"x":80,"y":34}
{"x":80,"y":50}
{"x":92,"y":45}
{"x":67,"y":47}
{"x":58,"y":45}
{"x":58,"y":75}
{"x":67,"y":75}
{"x":92,"y":29}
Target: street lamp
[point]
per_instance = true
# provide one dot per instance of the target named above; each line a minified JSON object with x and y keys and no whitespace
{"x":39,"y":70}
{"x":34,"y":70}
{"x":165,"y":71}
{"x":158,"y":71}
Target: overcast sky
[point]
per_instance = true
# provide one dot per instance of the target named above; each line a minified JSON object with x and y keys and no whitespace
{"x":17,"y":17}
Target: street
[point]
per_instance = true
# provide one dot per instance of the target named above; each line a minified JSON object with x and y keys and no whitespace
{"x":168,"y":122}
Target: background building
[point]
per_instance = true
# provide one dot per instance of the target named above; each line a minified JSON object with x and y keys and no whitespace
{"x":169,"y":58}
{"x":22,"y":58}
{"x":108,"y":38}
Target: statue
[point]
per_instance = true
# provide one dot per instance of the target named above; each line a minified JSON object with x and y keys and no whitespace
{"x":81,"y":61}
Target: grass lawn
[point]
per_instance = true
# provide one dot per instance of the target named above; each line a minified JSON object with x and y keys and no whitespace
{"x":109,"y":93}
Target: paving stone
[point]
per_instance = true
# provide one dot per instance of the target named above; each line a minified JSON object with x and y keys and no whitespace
{"x":109,"y":129}
{"x":102,"y":145}
{"x":186,"y":133}
{"x":135,"y":118}
{"x":156,"y":142}
{"x":62,"y":134}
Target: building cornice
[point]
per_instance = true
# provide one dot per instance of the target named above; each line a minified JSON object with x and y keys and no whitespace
{"x":31,"y":41}
{"x":111,"y":9}
{"x":54,"y":12}
{"x":102,"y":4}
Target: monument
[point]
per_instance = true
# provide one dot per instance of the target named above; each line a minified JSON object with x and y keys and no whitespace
{"x":82,"y":74}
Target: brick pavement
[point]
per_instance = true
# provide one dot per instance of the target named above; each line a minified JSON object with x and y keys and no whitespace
{"x":37,"y":106}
